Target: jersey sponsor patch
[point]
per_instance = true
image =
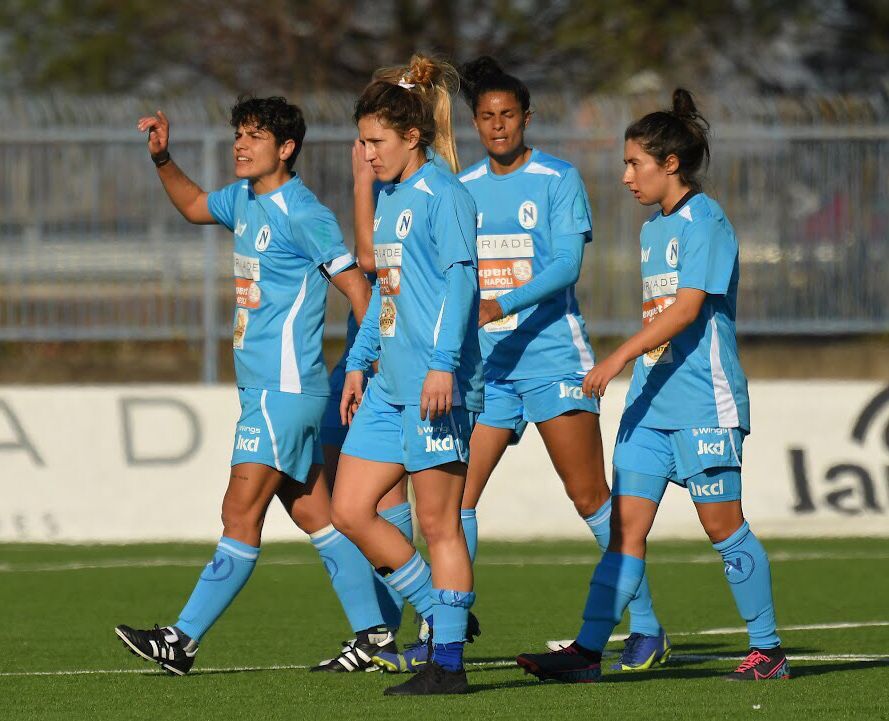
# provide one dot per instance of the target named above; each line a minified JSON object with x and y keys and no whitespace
{"x":510,"y":245}
{"x":390,"y":280}
{"x":509,"y":322}
{"x":388,"y":255}
{"x":658,"y":294}
{"x":388,"y":318}
{"x":246,"y":267}
{"x":503,"y":274}
{"x":242,"y":316}
{"x":247,"y":293}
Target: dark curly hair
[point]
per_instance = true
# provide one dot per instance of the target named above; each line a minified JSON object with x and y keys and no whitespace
{"x":282,"y":119}
{"x":484,"y":75}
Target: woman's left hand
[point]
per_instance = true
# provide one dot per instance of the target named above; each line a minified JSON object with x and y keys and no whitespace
{"x":600,"y":376}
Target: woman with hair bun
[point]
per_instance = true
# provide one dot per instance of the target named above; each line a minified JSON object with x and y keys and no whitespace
{"x":417,"y":412}
{"x":534,"y":221}
{"x":687,"y":411}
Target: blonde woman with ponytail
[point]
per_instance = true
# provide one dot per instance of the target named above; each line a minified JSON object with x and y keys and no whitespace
{"x":432,"y":82}
{"x":417,"y":413}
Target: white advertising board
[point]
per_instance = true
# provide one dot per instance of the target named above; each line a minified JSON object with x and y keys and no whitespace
{"x":134,"y":463}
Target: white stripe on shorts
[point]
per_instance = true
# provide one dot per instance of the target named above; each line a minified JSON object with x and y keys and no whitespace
{"x":268,"y":422}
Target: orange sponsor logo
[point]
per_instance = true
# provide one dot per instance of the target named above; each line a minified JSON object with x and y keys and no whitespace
{"x":503,"y":274}
{"x":390,"y":281}
{"x":247,"y":293}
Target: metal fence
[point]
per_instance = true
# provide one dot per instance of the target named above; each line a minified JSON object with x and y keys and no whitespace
{"x":90,"y":249}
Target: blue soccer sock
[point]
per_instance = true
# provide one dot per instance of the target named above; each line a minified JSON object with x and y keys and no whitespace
{"x":413,"y":581}
{"x":642,"y":617}
{"x":400,"y":517}
{"x":221,"y":580}
{"x":470,"y":530}
{"x":351,"y":576}
{"x":750,"y":579}
{"x":615,"y":581}
{"x":451,"y":612}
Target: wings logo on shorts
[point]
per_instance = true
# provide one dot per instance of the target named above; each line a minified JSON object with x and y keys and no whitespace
{"x":504,"y":264}
{"x":658,"y":294}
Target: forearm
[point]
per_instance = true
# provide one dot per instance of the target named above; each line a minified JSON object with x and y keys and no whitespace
{"x":457,"y":316}
{"x":366,"y":348}
{"x":354,"y":286}
{"x":186,"y":195}
{"x":562,"y":272}
{"x":364,"y":221}
{"x":664,"y":327}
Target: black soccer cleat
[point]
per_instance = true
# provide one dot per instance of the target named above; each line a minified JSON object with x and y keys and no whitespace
{"x":567,"y":665}
{"x":431,"y":680}
{"x":761,"y":664}
{"x":358,"y":655}
{"x":160,"y":645}
{"x":473,"y":628}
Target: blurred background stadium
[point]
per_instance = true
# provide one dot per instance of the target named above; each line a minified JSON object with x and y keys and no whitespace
{"x":106,"y":291}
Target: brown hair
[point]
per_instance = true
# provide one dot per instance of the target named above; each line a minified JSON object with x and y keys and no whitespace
{"x":416,"y":95}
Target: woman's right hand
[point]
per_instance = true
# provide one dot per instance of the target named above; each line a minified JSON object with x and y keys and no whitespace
{"x":362,"y":172}
{"x":158,"y":128}
{"x":353,"y":392}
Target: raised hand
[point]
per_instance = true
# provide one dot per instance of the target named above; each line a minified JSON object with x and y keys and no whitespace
{"x":158,"y":128}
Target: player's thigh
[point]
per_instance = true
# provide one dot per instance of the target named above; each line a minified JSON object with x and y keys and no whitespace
{"x":251,"y":487}
{"x":486,"y":447}
{"x":395,"y":497}
{"x":439,"y":492}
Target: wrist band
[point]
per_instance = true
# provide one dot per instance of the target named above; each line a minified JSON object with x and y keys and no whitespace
{"x":161,"y":159}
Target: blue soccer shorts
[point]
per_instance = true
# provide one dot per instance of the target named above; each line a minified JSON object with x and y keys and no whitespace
{"x":388,"y":433}
{"x":706,"y":461}
{"x":515,"y":404}
{"x":281,"y":430}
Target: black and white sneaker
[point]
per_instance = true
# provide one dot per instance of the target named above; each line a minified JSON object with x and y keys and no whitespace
{"x":431,"y":680}
{"x":160,"y":645}
{"x":357,"y":654}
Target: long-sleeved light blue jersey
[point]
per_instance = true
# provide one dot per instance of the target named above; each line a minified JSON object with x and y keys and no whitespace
{"x":532,"y":225}
{"x":424,"y":305}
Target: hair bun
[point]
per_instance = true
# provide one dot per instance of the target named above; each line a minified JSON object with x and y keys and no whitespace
{"x":684,"y":104}
{"x":485,"y":66}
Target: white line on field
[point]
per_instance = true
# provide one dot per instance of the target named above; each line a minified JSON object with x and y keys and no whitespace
{"x":862,"y":658}
{"x":711,"y":558}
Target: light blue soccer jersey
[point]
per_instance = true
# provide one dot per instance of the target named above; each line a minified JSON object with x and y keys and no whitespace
{"x":422,"y":227}
{"x":695,"y":380}
{"x":351,"y":323}
{"x":519,"y":215}
{"x":282,"y":241}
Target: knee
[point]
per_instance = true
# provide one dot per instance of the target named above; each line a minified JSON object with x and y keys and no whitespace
{"x":720,"y":530}
{"x":436,"y":529}
{"x":587,"y":498}
{"x":237,"y":519}
{"x":348,"y":518}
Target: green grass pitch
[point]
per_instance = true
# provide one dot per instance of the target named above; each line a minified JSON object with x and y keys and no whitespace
{"x":61,"y":660}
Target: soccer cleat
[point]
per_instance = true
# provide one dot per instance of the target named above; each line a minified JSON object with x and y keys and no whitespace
{"x":410,"y":660}
{"x":358,"y":654}
{"x":160,"y":645}
{"x":431,"y":680}
{"x":415,"y":655}
{"x":761,"y":664}
{"x":567,"y":665}
{"x":642,"y":652}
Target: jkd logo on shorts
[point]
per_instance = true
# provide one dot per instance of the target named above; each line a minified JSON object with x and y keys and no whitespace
{"x":711,"y":449}
{"x":710,"y":490}
{"x":251,"y":445}
{"x":437,"y":445}
{"x":566,"y":391}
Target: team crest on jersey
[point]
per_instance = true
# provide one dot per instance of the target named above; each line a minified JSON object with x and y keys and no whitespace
{"x":673,"y":252}
{"x":403,"y":226}
{"x":263,"y":238}
{"x":528,"y":215}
